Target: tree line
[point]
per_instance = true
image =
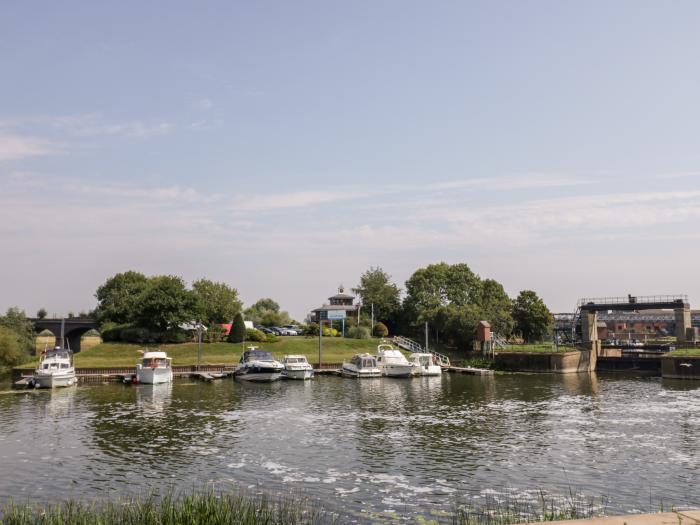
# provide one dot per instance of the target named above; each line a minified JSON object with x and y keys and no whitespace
{"x":452,"y":299}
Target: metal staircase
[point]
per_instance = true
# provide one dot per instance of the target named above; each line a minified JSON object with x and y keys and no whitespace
{"x":412,"y":346}
{"x":499,"y":342}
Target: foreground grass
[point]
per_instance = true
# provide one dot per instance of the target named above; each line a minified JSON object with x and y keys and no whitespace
{"x":194,"y":509}
{"x":335,"y":350}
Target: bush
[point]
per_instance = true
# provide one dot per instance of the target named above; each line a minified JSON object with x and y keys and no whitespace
{"x":251,"y":334}
{"x":380,"y":330}
{"x":358,"y":332}
{"x":112,"y":332}
{"x":271,"y":338}
{"x":214,"y":333}
{"x":312,"y":329}
{"x":327,"y":332}
{"x":238,"y":330}
{"x":11,"y":353}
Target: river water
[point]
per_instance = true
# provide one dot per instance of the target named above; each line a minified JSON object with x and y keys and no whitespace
{"x":382,"y":447}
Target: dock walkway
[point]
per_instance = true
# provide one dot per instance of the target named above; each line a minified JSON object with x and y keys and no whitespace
{"x":689,"y":517}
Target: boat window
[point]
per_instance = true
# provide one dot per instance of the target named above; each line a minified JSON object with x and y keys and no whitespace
{"x":64,"y":365}
{"x":46,"y":366}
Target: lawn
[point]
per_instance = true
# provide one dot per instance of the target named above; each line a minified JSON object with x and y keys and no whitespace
{"x":335,"y":350}
{"x":685,"y":352}
{"x":539,"y":348}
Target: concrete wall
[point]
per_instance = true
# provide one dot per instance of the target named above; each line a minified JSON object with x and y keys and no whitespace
{"x":679,"y":367}
{"x":556,"y":362}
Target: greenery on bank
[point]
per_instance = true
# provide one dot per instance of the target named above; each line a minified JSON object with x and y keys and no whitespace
{"x":335,"y":350}
{"x":538,"y":348}
{"x":209,"y":508}
{"x":685,"y":352}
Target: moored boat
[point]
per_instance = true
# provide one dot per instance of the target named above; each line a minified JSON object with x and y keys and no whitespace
{"x":361,"y":366}
{"x":392,"y":362}
{"x":297,"y":367}
{"x":55,"y":369}
{"x":258,"y":365}
{"x":154,"y":368}
{"x":424,"y":364}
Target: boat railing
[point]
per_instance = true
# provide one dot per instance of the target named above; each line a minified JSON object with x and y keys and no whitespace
{"x":414,"y":347}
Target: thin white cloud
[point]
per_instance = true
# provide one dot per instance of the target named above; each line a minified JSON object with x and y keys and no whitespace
{"x":88,"y":125}
{"x":513,"y":182}
{"x":16,"y":147}
{"x":293,"y":199}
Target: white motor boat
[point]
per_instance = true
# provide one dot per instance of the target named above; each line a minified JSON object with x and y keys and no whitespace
{"x":258,"y":365}
{"x":424,"y":364}
{"x":361,"y":366}
{"x":55,"y":369}
{"x":392,"y":362}
{"x":297,"y":367}
{"x":155,"y":368}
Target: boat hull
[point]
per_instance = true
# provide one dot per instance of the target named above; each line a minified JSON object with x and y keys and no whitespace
{"x":432,"y":370}
{"x":298,"y":374}
{"x":259,"y":377}
{"x":54,"y":380}
{"x":397,"y":370}
{"x":154,"y":376}
{"x":360,"y":374}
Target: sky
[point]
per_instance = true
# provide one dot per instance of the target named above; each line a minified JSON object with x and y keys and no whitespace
{"x":286,"y":147}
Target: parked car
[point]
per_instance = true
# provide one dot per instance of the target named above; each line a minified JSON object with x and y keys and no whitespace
{"x":276,"y":330}
{"x":265,"y":330}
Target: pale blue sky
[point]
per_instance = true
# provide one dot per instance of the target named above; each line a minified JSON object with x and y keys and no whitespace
{"x":284,"y":147}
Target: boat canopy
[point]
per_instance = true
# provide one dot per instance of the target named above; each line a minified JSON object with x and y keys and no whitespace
{"x":256,"y":355}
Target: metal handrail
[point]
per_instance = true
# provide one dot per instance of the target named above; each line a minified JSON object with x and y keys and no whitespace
{"x":414,"y":347}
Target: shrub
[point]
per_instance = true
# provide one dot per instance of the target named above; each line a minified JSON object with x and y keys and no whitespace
{"x":238,"y":330}
{"x":251,"y":334}
{"x":11,"y":353}
{"x":312,"y":329}
{"x":380,"y":330}
{"x":358,"y":332}
{"x":327,"y":332}
{"x":271,"y":338}
{"x":136,"y":334}
{"x":214,"y":333}
{"x":112,"y":332}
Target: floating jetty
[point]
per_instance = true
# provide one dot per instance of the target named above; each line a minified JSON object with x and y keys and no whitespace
{"x":470,"y":371}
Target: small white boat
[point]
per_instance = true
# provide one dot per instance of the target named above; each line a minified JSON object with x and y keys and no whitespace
{"x":297,"y":367}
{"x":55,"y":369}
{"x":155,"y":368}
{"x":361,"y":366}
{"x":258,"y":365}
{"x":392,"y":362}
{"x":424,"y":364}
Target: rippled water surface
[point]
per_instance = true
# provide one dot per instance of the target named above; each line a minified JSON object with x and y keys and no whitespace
{"x":380,"y":446}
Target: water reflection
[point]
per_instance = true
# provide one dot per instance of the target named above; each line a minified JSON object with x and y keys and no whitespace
{"x":373,"y":445}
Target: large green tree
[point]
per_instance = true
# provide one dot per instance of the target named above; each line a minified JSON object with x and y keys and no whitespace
{"x":376,"y":289}
{"x":267,"y":312}
{"x":118,"y":299}
{"x":218,"y":302}
{"x":532,"y":317}
{"x":165,"y":303}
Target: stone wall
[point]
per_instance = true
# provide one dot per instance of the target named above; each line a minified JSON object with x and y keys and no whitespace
{"x":555,"y":362}
{"x":680,"y":367}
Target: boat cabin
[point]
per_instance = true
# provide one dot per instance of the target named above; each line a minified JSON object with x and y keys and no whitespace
{"x":295,"y":359}
{"x":364,"y":361}
{"x":254,"y":354}
{"x":156,"y":360}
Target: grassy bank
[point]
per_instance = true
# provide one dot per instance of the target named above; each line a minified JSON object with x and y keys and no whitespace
{"x":686,"y":352}
{"x":538,"y":347}
{"x":335,"y":350}
{"x":205,"y":509}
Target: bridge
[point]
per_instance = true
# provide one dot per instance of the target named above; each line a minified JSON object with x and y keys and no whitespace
{"x":588,"y":309}
{"x":74,"y":329}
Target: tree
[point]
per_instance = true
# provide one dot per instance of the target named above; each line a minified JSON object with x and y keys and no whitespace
{"x":376,"y":289}
{"x":218,"y":302}
{"x":16,"y":321}
{"x":238,"y":330}
{"x":457,"y":324}
{"x":118,"y":299}
{"x":532,"y":317}
{"x":166,"y":303}
{"x":439,"y":285}
{"x":267,"y":312}
{"x":11,"y":353}
{"x":41,"y":313}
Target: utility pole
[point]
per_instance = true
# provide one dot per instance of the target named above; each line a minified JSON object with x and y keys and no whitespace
{"x":199,"y":345}
{"x":426,"y":336}
{"x":320,"y":340}
{"x":371,"y":328}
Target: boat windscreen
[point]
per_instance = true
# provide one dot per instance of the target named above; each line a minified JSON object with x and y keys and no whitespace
{"x":257,"y":355}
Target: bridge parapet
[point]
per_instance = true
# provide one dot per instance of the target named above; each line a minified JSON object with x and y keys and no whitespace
{"x":631,"y":302}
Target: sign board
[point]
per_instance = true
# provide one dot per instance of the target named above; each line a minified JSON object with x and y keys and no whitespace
{"x":334,"y":315}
